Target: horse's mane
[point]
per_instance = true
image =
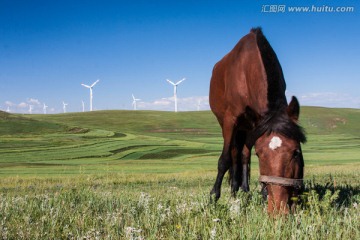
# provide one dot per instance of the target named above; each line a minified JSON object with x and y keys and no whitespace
{"x":274,"y":73}
{"x":279,"y":122}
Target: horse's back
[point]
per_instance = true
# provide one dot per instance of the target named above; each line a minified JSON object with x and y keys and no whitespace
{"x":239,"y":80}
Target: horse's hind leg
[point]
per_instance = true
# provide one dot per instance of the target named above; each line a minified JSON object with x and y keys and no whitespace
{"x":236,"y":168}
{"x":234,"y":171}
{"x":245,"y":161}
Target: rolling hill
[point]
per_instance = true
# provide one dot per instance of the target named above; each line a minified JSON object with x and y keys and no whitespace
{"x":152,"y":141}
{"x":15,"y":124}
{"x":316,"y":120}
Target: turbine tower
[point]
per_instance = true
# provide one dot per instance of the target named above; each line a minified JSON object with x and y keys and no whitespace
{"x":30,"y":109}
{"x":83,"y":105}
{"x":175,"y":90}
{"x":198,"y":105}
{"x":91,"y":92}
{"x":134,"y":101}
{"x":8,"y":109}
{"x":64,"y":106}
{"x":44,"y":108}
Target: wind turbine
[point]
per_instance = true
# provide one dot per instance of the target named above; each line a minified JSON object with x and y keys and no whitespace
{"x":30,"y":109}
{"x":8,"y":109}
{"x":44,"y":108}
{"x":198,"y":105}
{"x":175,"y":90}
{"x":64,"y":106}
{"x":83,"y":105}
{"x":91,"y":92}
{"x":134,"y":101}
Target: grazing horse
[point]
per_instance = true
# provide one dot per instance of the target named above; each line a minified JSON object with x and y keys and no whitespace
{"x":247,"y":96}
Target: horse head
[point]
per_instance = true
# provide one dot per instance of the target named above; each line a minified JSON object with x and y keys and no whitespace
{"x":281,"y":163}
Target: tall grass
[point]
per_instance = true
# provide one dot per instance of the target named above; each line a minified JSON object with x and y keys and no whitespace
{"x":104,"y":207}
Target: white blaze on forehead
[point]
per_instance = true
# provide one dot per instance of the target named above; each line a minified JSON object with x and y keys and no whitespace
{"x":275,"y":143}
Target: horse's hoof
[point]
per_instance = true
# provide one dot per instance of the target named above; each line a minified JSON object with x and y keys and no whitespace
{"x":214,"y":197}
{"x":245,"y":188}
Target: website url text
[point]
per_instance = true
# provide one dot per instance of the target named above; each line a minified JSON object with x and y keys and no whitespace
{"x":306,"y":9}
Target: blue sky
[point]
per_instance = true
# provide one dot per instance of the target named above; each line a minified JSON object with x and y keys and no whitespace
{"x":48,"y":48}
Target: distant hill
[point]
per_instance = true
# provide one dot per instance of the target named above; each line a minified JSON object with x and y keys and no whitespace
{"x":14,"y":124}
{"x":3,"y":114}
{"x":145,"y":141}
{"x":315,"y":120}
{"x":319,"y":120}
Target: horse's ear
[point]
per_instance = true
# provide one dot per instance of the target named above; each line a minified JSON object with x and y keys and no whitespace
{"x":293,"y":110}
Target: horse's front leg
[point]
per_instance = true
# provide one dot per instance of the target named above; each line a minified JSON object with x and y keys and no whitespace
{"x":223,"y":166}
{"x":225,"y":158}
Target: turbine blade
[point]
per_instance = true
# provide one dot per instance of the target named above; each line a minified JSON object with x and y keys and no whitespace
{"x":87,"y":86}
{"x":180,"y":81}
{"x":95,"y":83}
{"x":133,"y":96}
{"x":170,"y":82}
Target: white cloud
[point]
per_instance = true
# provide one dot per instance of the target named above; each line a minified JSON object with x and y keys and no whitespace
{"x":22,"y":105}
{"x":330,"y":99}
{"x":159,"y":104}
{"x":33,"y":101}
{"x":184,"y":104}
{"x":163,"y":102}
{"x":8,"y":103}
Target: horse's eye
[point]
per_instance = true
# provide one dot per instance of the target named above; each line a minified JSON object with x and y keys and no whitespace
{"x":297,"y":153}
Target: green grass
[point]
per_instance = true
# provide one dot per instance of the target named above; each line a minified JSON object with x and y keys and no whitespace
{"x":116,"y":206}
{"x":147,"y":175}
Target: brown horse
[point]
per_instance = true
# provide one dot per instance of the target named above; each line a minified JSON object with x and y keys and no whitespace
{"x":247,"y":96}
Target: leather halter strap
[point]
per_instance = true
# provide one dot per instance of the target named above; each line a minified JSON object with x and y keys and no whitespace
{"x":288,"y":182}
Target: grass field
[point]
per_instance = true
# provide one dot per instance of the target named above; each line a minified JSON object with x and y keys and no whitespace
{"x":147,"y":175}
